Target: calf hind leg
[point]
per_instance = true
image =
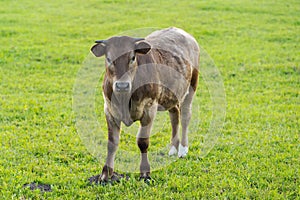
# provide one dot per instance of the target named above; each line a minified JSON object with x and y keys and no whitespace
{"x":185,"y":115}
{"x":174,"y":117}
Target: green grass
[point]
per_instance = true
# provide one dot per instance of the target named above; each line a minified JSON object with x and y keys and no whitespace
{"x":255,"y":45}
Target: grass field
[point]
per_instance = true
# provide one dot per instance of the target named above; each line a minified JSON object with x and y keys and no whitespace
{"x":255,"y":45}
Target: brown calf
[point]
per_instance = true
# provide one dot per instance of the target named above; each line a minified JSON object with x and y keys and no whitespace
{"x":142,"y":76}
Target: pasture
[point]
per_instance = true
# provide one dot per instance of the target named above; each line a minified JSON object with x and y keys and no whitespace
{"x":254,"y":44}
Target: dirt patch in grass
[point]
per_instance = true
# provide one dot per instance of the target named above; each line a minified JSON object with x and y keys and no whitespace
{"x":38,"y":186}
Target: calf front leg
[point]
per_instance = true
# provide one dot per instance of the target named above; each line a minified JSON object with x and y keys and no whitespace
{"x":112,"y":146}
{"x":143,"y":141}
{"x":143,"y":144}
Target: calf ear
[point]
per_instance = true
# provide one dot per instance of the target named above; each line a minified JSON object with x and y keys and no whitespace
{"x":98,"y":49}
{"x":142,"y":47}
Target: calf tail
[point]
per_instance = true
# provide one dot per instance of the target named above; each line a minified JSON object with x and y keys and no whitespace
{"x":194,"y":80}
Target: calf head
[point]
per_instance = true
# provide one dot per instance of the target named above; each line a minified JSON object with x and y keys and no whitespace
{"x":120,"y":53}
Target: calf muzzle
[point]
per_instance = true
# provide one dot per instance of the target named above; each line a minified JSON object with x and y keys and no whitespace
{"x":122,"y":86}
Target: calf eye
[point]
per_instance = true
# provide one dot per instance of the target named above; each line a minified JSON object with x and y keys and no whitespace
{"x":132,"y":59}
{"x":110,"y":65}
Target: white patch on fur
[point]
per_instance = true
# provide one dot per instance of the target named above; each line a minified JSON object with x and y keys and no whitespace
{"x":182,"y":151}
{"x":173,"y":151}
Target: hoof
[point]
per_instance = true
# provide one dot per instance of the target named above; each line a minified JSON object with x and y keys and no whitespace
{"x":182,"y":151}
{"x":173,"y":151}
{"x":100,"y":180}
{"x":148,"y":180}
